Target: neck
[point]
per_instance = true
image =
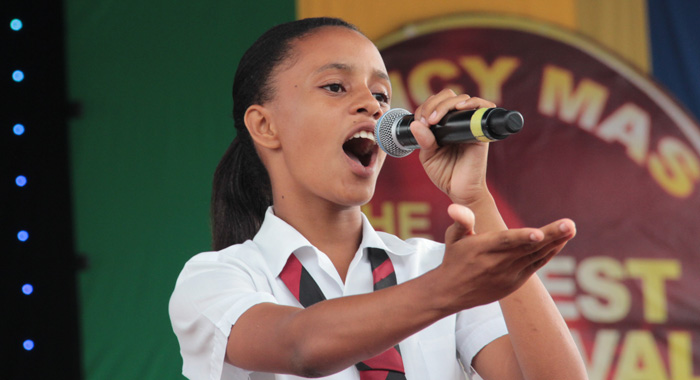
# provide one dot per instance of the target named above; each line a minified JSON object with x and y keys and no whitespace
{"x":334,"y":230}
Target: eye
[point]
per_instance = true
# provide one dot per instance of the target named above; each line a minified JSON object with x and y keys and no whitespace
{"x":381,"y":97}
{"x":334,"y":87}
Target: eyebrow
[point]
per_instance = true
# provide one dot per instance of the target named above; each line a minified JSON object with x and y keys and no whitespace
{"x":345,"y":67}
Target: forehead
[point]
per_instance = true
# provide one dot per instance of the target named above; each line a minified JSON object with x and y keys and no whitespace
{"x":328,"y":46}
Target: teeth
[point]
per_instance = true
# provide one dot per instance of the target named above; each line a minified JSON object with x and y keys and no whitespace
{"x":364,"y":135}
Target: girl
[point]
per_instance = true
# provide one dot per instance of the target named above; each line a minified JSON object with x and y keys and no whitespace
{"x":301,"y":285}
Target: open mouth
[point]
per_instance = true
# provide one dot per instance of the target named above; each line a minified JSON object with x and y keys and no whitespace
{"x":360,"y":147}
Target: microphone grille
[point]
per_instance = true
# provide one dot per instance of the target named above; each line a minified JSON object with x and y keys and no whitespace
{"x":384,"y":132}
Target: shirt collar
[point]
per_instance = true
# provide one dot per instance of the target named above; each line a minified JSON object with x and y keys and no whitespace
{"x":277,"y":240}
{"x":370,"y":238}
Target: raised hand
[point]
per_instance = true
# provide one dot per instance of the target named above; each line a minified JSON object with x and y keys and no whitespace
{"x":488,"y":266}
{"x":458,"y":170}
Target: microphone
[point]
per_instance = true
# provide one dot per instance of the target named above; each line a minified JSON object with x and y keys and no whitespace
{"x":484,"y":124}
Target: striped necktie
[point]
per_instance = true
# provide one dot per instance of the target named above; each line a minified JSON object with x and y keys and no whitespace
{"x":385,"y":366}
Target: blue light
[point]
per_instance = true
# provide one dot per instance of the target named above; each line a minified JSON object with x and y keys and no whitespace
{"x":21,"y":180}
{"x":16,"y":24}
{"x":28,"y":344}
{"x":23,"y":235}
{"x":18,"y":129}
{"x":18,"y":75}
{"x":27,"y":289}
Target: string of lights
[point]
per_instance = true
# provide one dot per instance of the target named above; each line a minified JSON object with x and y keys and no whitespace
{"x":39,"y":328}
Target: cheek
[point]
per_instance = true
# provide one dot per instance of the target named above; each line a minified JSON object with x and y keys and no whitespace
{"x":292,"y":130}
{"x":307,"y":152}
{"x":311,"y":134}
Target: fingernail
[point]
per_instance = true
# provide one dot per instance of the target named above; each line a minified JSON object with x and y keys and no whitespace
{"x":433,"y":116}
{"x":563,"y":227}
{"x":422,"y":120}
{"x":533,"y":237}
{"x":462,"y":104}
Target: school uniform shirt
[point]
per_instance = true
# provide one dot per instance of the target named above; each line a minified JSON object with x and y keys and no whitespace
{"x":215,"y":288}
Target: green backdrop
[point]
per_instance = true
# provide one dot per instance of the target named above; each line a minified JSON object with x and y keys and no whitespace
{"x":153,"y":79}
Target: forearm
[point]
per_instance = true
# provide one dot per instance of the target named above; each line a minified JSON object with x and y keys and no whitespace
{"x":541,"y":340}
{"x":335,"y":334}
{"x":365,"y":326}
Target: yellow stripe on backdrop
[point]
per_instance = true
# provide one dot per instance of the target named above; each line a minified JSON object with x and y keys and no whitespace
{"x":621,"y":26}
{"x":618,"y":25}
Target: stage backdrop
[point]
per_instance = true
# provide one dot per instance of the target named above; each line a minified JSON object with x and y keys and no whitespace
{"x":153,"y":79}
{"x":603,"y":143}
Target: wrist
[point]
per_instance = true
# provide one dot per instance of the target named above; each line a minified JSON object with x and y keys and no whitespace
{"x":478,"y":195}
{"x":438,"y":294}
{"x":482,"y":203}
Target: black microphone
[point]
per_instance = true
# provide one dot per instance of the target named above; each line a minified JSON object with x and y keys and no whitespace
{"x":394,"y":135}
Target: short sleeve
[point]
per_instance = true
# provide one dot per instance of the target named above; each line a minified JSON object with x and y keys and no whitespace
{"x":476,"y":328}
{"x":209,"y":297}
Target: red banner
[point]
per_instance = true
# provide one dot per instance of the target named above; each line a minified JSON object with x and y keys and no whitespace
{"x":603,"y":145}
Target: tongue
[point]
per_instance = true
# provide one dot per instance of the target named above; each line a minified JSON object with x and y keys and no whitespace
{"x":353,"y":157}
{"x":359,"y":150}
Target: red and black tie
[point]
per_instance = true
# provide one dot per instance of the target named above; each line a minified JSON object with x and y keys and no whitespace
{"x":385,"y":366}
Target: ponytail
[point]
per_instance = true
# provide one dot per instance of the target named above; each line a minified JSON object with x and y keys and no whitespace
{"x":241,"y":190}
{"x":241,"y":194}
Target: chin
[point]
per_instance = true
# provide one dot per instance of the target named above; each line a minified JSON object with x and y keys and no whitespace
{"x":358,"y":202}
{"x":357,"y":199}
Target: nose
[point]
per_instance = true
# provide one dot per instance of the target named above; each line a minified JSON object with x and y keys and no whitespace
{"x":367,"y":104}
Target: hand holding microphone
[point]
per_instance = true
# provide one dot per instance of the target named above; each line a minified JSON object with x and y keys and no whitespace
{"x":394,"y":135}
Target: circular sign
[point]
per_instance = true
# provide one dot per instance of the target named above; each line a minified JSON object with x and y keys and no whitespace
{"x":602,"y":144}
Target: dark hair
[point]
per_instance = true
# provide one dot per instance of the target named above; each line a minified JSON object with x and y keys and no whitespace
{"x":241,"y":190}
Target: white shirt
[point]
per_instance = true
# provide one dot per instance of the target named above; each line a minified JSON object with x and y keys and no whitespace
{"x":215,"y":288}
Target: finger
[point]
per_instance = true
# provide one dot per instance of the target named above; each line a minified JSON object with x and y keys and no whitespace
{"x":442,"y":105}
{"x":544,"y":253}
{"x":459,"y":102}
{"x":537,"y":264}
{"x":464,"y":223}
{"x":563,"y":228}
{"x":476,"y":102}
{"x":419,"y":111}
{"x":544,"y":239}
{"x":534,"y":261}
{"x":434,"y":108}
{"x":424,"y":110}
{"x":423,"y":135}
{"x":517,"y":242}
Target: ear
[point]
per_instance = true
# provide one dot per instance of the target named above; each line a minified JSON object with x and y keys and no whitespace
{"x":259,"y":123}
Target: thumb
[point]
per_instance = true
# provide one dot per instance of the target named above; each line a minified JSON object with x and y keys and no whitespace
{"x":464,"y":223}
{"x":423,"y":135}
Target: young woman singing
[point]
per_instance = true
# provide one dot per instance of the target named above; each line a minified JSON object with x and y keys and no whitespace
{"x":301,"y":285}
